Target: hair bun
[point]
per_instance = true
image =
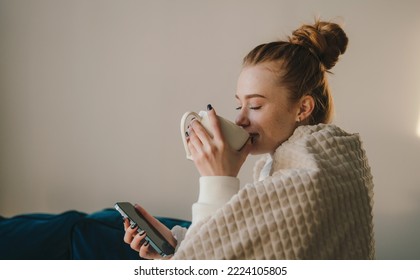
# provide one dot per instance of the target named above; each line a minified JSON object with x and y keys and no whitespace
{"x":325,"y":40}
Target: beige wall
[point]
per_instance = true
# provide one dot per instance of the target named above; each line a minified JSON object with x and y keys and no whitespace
{"x":91,"y":94}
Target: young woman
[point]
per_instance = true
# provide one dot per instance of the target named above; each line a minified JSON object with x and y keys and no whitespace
{"x":312,"y":194}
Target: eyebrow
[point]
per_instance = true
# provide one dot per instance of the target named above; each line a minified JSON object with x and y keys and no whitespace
{"x":249,"y":96}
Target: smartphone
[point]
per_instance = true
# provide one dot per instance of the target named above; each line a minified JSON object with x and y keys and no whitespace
{"x":155,"y":238}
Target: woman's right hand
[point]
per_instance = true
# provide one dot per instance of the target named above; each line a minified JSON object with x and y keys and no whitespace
{"x":212,"y":155}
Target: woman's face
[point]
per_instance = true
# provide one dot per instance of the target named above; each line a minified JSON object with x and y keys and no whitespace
{"x":265,"y":110}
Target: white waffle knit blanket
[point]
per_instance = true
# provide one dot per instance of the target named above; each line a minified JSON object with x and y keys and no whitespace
{"x":316,"y":204}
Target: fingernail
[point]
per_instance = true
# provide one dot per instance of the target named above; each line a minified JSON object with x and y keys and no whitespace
{"x":186,"y":134}
{"x":209,"y":107}
{"x":133,"y":225}
{"x":146,"y":243}
{"x":142,"y":232}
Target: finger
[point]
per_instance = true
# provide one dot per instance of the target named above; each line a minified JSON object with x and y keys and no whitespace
{"x":194,"y":143}
{"x":126,"y":224}
{"x":214,"y":123}
{"x":147,"y":252}
{"x":130,"y":233}
{"x":138,"y":241}
{"x":192,"y":149}
{"x":198,"y":129}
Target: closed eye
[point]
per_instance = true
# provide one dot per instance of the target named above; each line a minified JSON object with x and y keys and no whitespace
{"x":251,"y":108}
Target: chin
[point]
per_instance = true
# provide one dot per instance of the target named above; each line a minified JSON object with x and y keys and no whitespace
{"x":256,"y":151}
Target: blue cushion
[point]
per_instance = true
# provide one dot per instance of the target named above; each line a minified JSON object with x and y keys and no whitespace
{"x":70,"y":235}
{"x":99,"y":236}
{"x":37,"y":236}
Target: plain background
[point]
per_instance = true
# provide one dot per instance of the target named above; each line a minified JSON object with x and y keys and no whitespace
{"x":92,"y":92}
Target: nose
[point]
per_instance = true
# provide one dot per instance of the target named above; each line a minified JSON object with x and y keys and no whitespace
{"x":242,"y":118}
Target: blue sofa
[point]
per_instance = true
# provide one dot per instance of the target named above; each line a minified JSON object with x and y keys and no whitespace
{"x":69,"y":235}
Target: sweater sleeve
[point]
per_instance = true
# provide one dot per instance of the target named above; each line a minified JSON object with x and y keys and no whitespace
{"x":178,"y":233}
{"x":215,"y":191}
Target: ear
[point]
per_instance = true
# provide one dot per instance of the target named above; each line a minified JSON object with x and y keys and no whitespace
{"x":306,"y":106}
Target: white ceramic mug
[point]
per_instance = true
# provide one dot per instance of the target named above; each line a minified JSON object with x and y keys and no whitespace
{"x":235,"y":135}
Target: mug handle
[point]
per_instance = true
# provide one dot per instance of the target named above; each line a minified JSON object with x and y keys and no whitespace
{"x":185,"y":121}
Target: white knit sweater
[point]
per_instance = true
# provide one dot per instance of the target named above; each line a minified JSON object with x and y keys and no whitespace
{"x":316,"y":203}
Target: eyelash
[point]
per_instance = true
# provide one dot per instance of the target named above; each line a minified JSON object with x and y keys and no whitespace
{"x":252,"y":108}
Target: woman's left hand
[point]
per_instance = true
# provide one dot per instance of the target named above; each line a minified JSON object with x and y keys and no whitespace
{"x":212,"y":155}
{"x":137,"y":241}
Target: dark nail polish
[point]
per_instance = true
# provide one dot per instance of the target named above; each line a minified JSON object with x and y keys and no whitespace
{"x":186,"y":134}
{"x":142,"y":232}
{"x":146,"y":243}
{"x":133,"y":226}
{"x":209,"y":107}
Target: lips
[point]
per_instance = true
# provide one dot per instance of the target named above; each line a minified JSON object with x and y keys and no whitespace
{"x":254,"y":137}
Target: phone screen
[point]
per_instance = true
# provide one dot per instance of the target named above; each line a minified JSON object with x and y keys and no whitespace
{"x":156,"y":240}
